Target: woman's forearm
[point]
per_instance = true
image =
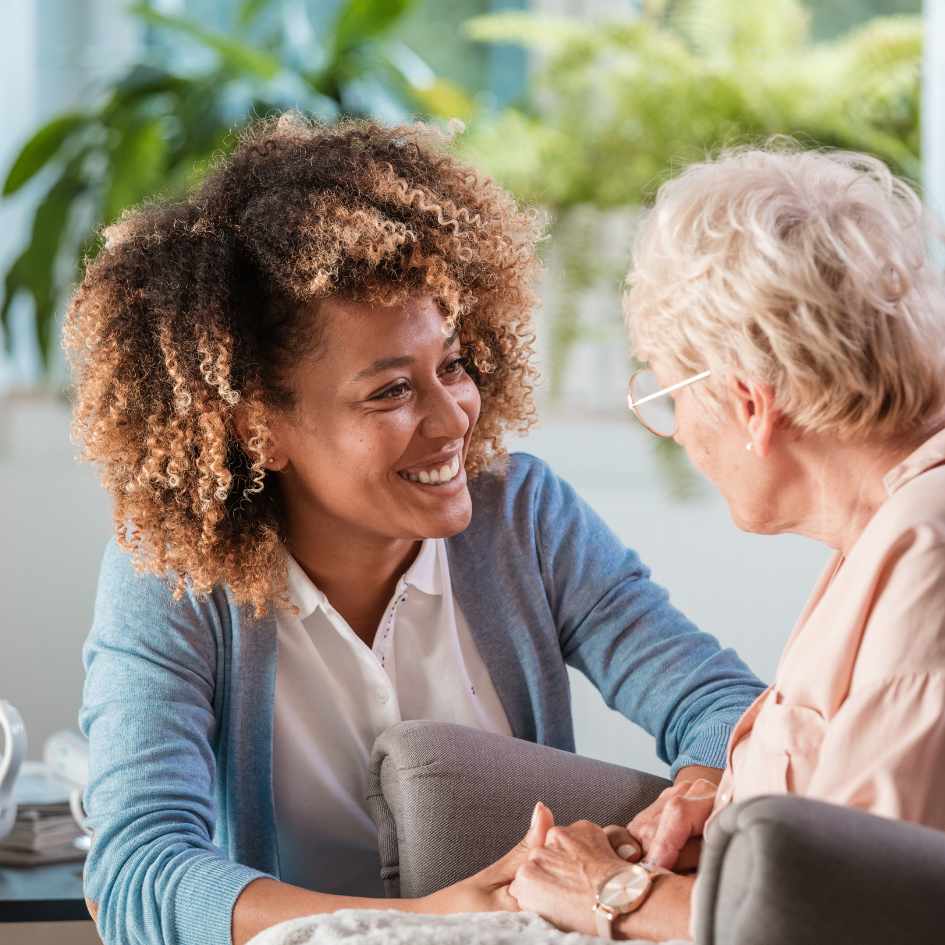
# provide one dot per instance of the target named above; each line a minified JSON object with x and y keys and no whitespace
{"x":266,"y":902}
{"x":665,"y":915}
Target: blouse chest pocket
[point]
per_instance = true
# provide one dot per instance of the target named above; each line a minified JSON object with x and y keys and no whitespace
{"x":782,"y":750}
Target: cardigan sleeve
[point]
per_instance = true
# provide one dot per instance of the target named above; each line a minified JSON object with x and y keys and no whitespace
{"x":148,"y":712}
{"x":618,"y":627}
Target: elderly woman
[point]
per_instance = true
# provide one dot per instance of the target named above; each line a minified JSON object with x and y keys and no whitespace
{"x":794,"y":331}
{"x":296,"y":382}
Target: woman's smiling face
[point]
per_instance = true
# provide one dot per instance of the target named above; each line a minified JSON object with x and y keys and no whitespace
{"x":376,"y":444}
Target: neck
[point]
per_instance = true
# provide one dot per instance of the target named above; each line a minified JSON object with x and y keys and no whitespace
{"x":839,"y":487}
{"x":357,"y":573}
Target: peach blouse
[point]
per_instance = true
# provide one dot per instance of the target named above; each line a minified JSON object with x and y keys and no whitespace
{"x":856,"y":715}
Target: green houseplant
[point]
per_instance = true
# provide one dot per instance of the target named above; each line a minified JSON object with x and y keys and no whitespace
{"x":616,"y":106}
{"x":155,"y":129}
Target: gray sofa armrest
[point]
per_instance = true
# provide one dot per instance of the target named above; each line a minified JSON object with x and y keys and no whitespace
{"x":792,"y":871}
{"x":450,"y":800}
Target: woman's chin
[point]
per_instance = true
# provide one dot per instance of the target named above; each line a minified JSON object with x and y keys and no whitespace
{"x":755,"y":525}
{"x":441,"y":511}
{"x":452,"y":521}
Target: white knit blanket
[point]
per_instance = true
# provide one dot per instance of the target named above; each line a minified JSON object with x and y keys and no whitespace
{"x":389,"y":927}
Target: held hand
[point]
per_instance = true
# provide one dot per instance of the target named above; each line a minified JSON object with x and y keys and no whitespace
{"x":679,"y":814}
{"x":560,"y":881}
{"x":488,"y":890}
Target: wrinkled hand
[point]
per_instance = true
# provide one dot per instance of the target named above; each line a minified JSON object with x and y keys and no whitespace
{"x":677,"y":816}
{"x":488,"y":890}
{"x":560,"y":880}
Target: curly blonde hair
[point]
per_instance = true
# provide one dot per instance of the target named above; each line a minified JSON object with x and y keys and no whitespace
{"x":805,"y":270}
{"x":195,"y":308}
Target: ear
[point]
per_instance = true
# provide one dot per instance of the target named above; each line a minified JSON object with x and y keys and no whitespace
{"x":755,"y":411}
{"x":246,"y":434}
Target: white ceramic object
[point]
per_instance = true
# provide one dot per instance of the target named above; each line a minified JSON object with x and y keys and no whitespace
{"x":14,"y":751}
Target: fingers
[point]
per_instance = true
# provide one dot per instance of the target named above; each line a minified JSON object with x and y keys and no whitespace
{"x":623,"y":843}
{"x":542,"y":821}
{"x":681,"y":819}
{"x":679,"y":813}
{"x":689,"y":856}
{"x":503,"y":870}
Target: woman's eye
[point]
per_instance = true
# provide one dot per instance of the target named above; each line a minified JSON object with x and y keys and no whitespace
{"x":455,"y":366}
{"x":393,"y":393}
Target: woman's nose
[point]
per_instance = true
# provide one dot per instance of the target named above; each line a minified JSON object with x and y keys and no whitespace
{"x":446,"y":417}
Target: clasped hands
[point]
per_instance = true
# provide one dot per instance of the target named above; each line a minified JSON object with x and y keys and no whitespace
{"x":556,"y":871}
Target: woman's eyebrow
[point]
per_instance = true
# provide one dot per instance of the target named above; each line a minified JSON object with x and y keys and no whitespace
{"x":385,"y":364}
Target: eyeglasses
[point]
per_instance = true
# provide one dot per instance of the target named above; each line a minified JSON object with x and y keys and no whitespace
{"x":649,"y":403}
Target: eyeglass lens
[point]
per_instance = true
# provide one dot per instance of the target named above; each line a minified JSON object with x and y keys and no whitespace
{"x":658,"y":414}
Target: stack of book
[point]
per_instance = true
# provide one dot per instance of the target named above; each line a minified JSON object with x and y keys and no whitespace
{"x":45,"y":830}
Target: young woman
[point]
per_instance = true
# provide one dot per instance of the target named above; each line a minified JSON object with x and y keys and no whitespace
{"x":296,"y":382}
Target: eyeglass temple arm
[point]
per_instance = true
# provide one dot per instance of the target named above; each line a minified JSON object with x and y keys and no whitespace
{"x":670,"y":389}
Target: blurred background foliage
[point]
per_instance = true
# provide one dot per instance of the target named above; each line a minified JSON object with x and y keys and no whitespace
{"x":155,"y":128}
{"x":599,"y":116}
{"x":613,"y":108}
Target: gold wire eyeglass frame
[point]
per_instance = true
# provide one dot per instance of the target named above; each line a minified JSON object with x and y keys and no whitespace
{"x":635,"y":404}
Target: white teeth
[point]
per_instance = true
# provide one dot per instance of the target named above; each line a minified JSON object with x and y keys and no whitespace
{"x":435,"y":477}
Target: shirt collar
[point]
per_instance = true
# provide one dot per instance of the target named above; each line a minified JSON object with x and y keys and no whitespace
{"x":930,"y":453}
{"x":302,"y":590}
{"x":425,"y":574}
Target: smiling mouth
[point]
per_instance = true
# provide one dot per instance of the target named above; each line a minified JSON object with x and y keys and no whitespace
{"x":435,"y":476}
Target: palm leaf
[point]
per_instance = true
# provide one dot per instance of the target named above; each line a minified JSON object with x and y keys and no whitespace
{"x":41,"y":148}
{"x":34,"y":270}
{"x":235,"y":55}
{"x":249,"y":10}
{"x":361,"y":21}
{"x":136,"y":166}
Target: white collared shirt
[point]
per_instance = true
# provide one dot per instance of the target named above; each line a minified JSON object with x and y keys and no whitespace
{"x":335,"y":695}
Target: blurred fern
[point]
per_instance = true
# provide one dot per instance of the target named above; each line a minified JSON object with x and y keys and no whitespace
{"x":616,"y":106}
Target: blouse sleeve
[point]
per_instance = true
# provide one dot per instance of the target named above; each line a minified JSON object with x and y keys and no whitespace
{"x":148,"y":712}
{"x":884,"y":750}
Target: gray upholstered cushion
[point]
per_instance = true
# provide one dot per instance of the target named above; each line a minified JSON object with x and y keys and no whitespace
{"x":449,"y":800}
{"x":792,"y":871}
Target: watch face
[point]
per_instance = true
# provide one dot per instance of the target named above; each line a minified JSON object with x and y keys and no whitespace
{"x":625,"y":888}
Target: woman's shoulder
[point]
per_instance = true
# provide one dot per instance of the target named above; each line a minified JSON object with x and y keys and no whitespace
{"x":920,"y":503}
{"x":522,"y":495}
{"x":905,"y":581}
{"x":519,"y":477}
{"x":131,"y":599}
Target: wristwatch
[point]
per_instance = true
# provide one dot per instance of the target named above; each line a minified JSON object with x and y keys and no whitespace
{"x":624,"y":892}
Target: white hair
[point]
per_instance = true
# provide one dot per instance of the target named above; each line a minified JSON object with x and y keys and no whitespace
{"x":805,"y":270}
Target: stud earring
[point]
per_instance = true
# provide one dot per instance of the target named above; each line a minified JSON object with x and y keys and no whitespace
{"x":749,"y":446}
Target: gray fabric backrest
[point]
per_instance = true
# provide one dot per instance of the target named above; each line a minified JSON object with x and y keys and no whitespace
{"x":792,"y":871}
{"x":450,"y":800}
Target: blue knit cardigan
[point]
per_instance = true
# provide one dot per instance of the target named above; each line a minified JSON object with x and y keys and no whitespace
{"x":178,"y":700}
